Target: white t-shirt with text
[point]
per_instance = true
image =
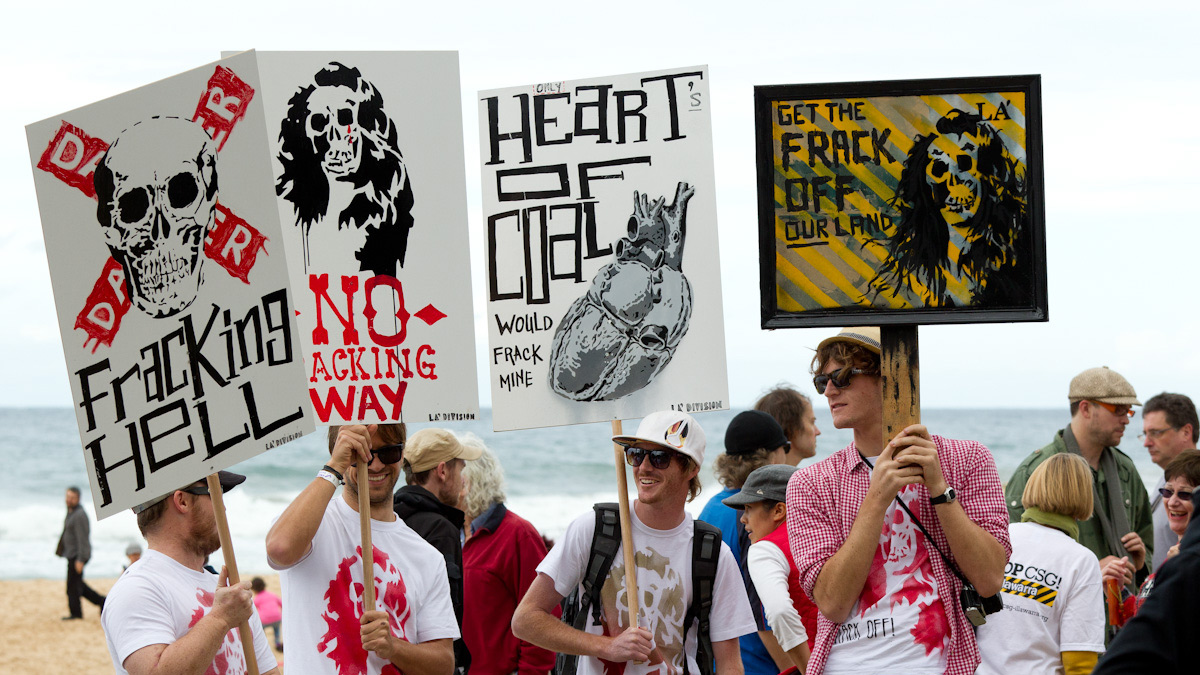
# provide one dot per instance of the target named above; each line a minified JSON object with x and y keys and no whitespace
{"x":1053,"y":603}
{"x":664,"y":580}
{"x":322,"y":594}
{"x":157,"y":601}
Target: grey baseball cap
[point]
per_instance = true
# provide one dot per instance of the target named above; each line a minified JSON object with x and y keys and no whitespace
{"x":763,"y":483}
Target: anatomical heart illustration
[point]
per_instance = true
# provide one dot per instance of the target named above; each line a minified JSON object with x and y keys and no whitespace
{"x":619,"y":335}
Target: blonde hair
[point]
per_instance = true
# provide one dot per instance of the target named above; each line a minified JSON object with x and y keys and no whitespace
{"x":1062,"y":484}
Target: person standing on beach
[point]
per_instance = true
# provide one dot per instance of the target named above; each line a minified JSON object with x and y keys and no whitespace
{"x":433,"y":466}
{"x":794,"y":412}
{"x":753,"y":439}
{"x":500,"y":559}
{"x":1122,"y":528}
{"x":75,"y":545}
{"x":888,"y":589}
{"x":167,"y":614}
{"x":1169,"y":426}
{"x":666,"y":454}
{"x":316,"y":544}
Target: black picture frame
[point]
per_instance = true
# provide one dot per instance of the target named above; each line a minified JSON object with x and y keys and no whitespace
{"x":1003,"y":236}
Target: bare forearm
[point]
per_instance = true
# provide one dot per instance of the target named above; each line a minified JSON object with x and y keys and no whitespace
{"x":435,"y":657}
{"x":290,"y":537}
{"x":537,"y":626}
{"x":191,"y":654}
{"x":976,"y":552}
{"x":728,"y":657}
{"x":799,"y":656}
{"x":780,"y":657}
{"x":842,"y":577}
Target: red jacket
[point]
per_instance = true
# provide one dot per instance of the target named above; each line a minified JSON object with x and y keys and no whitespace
{"x":499,"y":563}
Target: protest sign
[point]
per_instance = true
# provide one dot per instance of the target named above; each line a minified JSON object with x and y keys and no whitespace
{"x":603,"y":286}
{"x":170,"y":281}
{"x":368,"y":162}
{"x":904,"y":202}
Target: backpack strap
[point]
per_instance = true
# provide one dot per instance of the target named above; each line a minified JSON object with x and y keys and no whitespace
{"x":605,"y":540}
{"x":706,"y":552}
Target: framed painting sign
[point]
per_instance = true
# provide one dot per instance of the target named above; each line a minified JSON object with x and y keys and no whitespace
{"x":901,"y":202}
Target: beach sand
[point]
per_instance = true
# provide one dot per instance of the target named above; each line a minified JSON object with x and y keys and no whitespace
{"x":37,"y":640}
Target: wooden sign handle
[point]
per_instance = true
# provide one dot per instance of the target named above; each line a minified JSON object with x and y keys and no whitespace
{"x":631,"y":592}
{"x":218,"y":504}
{"x":368,"y":551}
{"x":900,"y":376}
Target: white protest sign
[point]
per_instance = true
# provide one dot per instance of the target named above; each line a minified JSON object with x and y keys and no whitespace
{"x":604,"y":285}
{"x":170,"y":280}
{"x":368,"y":161}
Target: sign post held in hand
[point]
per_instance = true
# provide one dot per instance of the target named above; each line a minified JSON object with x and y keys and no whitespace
{"x":900,"y":377}
{"x":631,"y":592}
{"x":218,"y":504}
{"x":368,"y":550}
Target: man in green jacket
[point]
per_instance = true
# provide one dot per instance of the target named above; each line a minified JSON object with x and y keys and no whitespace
{"x":1121,"y":525}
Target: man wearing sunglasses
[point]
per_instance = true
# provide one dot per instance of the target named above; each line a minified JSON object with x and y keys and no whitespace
{"x":885,"y":531}
{"x":1121,"y":526}
{"x":1169,"y":426}
{"x":666,"y":454}
{"x":433,"y":470}
{"x":316,"y":544}
{"x":167,"y":613}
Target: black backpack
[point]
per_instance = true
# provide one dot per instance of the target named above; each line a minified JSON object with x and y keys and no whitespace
{"x":706,"y":550}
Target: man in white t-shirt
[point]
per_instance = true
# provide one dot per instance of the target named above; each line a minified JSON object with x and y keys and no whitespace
{"x":167,"y":613}
{"x":666,"y":454}
{"x":316,"y":543}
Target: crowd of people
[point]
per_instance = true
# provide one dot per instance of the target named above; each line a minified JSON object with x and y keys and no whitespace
{"x":893,"y":555}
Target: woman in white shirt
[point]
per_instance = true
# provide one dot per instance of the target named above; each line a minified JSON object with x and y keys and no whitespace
{"x":1053,"y":618}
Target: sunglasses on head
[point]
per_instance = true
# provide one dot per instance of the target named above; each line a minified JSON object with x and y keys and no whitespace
{"x":1119,"y":411}
{"x":388,"y":454}
{"x":840,"y":378}
{"x":1185,"y":495}
{"x":659,"y":459}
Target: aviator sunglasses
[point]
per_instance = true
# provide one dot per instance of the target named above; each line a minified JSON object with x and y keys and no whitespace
{"x":388,"y":454}
{"x":1166,"y":493}
{"x":840,"y":379}
{"x":659,"y":459}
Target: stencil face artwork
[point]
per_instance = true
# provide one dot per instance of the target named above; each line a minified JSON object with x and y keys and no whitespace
{"x":343,"y":172}
{"x":962,"y":208}
{"x":616,"y":338}
{"x":157,"y":192}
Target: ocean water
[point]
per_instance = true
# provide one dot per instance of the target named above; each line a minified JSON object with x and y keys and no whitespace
{"x":552,"y":476}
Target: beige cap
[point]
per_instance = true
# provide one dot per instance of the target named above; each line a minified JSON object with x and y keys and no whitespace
{"x":429,"y":447}
{"x":864,"y":336}
{"x":1104,"y":385}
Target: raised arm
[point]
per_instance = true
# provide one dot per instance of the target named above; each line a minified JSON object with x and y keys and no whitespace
{"x":290,"y":538}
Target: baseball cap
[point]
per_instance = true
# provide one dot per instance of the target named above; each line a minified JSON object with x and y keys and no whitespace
{"x":751,"y":430}
{"x":671,"y":429}
{"x":228,"y":480}
{"x":1104,"y":385}
{"x":864,"y":336}
{"x":429,"y":447}
{"x":765,"y":482}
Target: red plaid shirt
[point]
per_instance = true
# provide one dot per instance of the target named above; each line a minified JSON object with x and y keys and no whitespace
{"x":823,"y":501}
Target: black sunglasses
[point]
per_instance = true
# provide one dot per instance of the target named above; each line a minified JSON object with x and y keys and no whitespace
{"x":659,"y":459}
{"x":388,"y":454}
{"x":840,"y":379}
{"x":1167,"y":492}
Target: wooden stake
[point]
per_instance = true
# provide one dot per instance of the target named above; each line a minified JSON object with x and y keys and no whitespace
{"x":901,"y":379}
{"x":218,"y":504}
{"x":368,"y":551}
{"x":631,"y":592}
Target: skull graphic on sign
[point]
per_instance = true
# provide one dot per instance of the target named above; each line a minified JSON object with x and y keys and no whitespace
{"x":157,"y":192}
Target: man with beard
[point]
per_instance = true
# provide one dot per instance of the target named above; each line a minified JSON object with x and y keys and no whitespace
{"x":316,"y":544}
{"x":433,"y":468}
{"x":167,"y":613}
{"x":1121,"y":526}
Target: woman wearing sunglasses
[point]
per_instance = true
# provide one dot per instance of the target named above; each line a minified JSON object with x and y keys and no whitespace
{"x":1181,"y":476}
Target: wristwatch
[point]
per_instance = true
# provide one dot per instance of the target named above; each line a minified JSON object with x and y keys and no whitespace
{"x":945,"y":498}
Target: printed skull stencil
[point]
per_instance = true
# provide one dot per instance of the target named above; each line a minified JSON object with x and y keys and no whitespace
{"x":618,"y":336}
{"x":157,"y":193}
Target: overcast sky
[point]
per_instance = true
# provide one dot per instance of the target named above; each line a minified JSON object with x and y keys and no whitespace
{"x":1118,"y":82}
